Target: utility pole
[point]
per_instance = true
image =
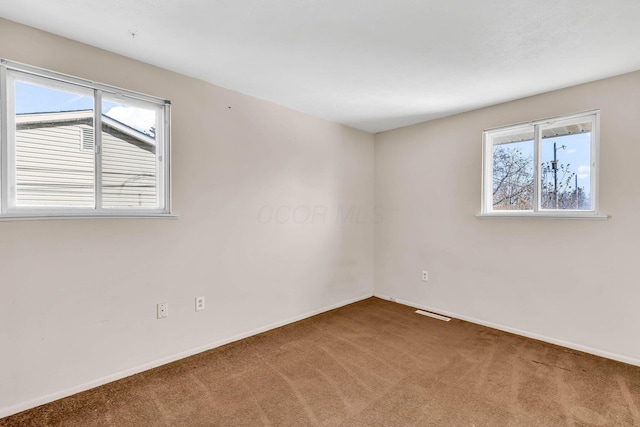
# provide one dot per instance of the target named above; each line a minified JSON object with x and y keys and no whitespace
{"x":554,"y":166}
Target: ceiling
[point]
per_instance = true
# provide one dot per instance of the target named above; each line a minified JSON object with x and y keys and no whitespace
{"x":371,"y":64}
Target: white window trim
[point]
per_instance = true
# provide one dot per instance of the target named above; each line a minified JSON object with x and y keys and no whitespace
{"x":536,"y":126}
{"x":10,"y":212}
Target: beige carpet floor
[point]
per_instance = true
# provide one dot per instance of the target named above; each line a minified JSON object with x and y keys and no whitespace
{"x":372,"y":363}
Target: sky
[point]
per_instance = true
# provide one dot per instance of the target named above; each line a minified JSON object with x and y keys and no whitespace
{"x":39,"y":99}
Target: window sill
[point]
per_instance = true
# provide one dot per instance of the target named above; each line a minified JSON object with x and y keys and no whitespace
{"x":44,"y":217}
{"x":571,"y":215}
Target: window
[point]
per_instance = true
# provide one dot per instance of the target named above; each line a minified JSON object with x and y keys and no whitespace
{"x":71,"y":147}
{"x":544,"y":168}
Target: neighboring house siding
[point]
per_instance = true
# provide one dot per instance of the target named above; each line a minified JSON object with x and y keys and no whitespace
{"x":54,"y":167}
{"x":128,"y":174}
{"x":51,"y":168}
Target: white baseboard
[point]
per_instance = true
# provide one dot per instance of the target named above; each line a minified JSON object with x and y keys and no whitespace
{"x":562,"y":343}
{"x":5,"y":412}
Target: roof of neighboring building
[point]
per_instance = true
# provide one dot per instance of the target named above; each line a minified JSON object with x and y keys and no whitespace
{"x":113,"y":126}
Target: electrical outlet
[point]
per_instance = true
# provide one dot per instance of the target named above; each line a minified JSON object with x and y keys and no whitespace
{"x":199,"y":303}
{"x":163,"y":310}
{"x":425,"y":276}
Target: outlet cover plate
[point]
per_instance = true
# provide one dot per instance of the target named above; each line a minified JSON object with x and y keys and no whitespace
{"x":163,"y":310}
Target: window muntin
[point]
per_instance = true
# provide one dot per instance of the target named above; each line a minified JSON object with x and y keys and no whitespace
{"x":53,"y":162}
{"x":542,"y":168}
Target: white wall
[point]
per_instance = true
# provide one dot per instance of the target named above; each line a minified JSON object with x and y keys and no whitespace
{"x":274,"y":224}
{"x":573,"y":282}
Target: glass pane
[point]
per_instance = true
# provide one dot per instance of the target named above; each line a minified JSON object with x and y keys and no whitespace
{"x":129,"y":167}
{"x":565,"y":169}
{"x":513,"y":173}
{"x":54,"y":154}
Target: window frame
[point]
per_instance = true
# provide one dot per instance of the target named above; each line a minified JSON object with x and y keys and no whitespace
{"x":8,"y":209}
{"x":537,"y":126}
